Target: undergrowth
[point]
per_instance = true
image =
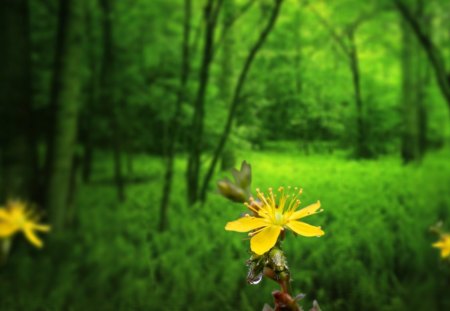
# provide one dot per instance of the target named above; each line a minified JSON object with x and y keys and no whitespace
{"x":376,"y":254}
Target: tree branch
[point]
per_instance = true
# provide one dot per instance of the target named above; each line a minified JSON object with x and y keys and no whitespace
{"x":231,"y":22}
{"x":338,"y":38}
{"x":237,"y":93}
{"x":433,"y":53}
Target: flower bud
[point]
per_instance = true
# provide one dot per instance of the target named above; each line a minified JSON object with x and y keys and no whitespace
{"x":231,"y":191}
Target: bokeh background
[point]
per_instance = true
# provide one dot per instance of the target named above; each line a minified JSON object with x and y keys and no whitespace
{"x":119,"y":117}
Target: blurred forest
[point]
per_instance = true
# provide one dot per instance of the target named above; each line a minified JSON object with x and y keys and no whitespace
{"x":119,"y":117}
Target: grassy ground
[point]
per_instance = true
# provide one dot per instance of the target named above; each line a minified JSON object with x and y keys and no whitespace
{"x":376,"y":253}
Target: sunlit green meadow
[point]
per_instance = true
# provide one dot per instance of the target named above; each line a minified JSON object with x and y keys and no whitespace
{"x":376,"y":253}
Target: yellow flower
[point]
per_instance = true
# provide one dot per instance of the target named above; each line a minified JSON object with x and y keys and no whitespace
{"x":17,"y":216}
{"x":271,"y":218}
{"x":444,"y":245}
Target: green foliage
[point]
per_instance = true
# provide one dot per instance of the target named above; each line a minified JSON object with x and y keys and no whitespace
{"x":376,"y":254}
{"x":297,"y":108}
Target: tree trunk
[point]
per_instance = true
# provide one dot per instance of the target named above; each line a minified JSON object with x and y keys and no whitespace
{"x":413,"y":88}
{"x":16,"y":151}
{"x":236,"y":96}
{"x":66,"y":97}
{"x":434,"y":54}
{"x":107,"y":98}
{"x":410,"y":132}
{"x":196,"y":133}
{"x":298,"y":54}
{"x":362,"y":150}
{"x":350,"y":50}
{"x":174,"y":122}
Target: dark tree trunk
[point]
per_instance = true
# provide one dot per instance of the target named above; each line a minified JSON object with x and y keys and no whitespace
{"x":414,"y":82}
{"x":196,"y":133}
{"x":107,"y":98}
{"x":17,"y":152}
{"x":410,"y":131}
{"x":174,"y":122}
{"x":362,"y":150}
{"x":236,"y":96}
{"x":66,"y":94}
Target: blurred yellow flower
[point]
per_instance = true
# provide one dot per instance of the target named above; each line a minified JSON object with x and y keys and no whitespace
{"x":17,"y":216}
{"x":271,"y":218}
{"x":444,"y":245}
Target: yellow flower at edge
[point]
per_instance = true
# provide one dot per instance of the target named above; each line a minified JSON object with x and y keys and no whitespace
{"x":444,"y":245}
{"x":17,"y":216}
{"x":271,"y":218}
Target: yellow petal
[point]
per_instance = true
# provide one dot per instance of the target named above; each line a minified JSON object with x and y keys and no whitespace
{"x":438,"y":244}
{"x":309,"y":210}
{"x":445,"y":252}
{"x":32,"y":237}
{"x":264,"y":240}
{"x":7,"y":229}
{"x":43,"y":228}
{"x":304,"y":229}
{"x":3,"y":214}
{"x":245,"y":224}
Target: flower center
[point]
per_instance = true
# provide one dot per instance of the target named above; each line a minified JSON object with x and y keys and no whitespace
{"x":278,"y":218}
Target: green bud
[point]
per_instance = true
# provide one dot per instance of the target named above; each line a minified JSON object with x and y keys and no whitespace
{"x":239,"y":191}
{"x":231,"y":191}
{"x":243,"y":177}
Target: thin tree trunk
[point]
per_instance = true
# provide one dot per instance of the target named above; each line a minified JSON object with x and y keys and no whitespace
{"x":184,"y":74}
{"x":67,"y":93}
{"x":236,"y":96}
{"x":298,"y":54}
{"x":16,"y":152}
{"x":350,"y":50}
{"x":196,"y":133}
{"x":413,"y":86}
{"x":424,"y":81}
{"x":362,"y":150}
{"x":410,"y":131}
{"x":108,"y":101}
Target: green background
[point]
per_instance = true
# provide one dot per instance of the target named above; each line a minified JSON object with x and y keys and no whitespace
{"x":341,"y":99}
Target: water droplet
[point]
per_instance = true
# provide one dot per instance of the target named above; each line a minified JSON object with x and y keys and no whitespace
{"x":254,"y":279}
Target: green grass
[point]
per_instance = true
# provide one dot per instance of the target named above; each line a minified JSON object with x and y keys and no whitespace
{"x":376,"y":253}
